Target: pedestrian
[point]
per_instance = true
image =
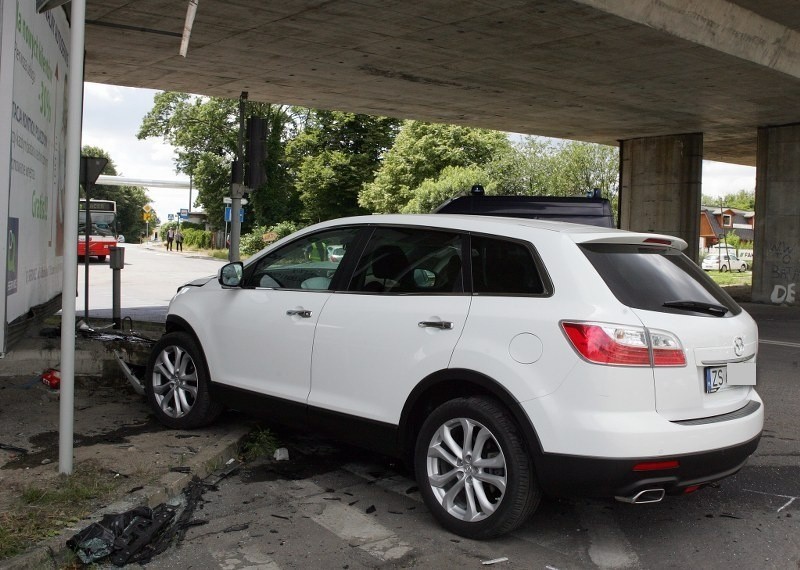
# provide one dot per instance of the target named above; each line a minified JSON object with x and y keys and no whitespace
{"x":170,"y":238}
{"x":179,"y":240}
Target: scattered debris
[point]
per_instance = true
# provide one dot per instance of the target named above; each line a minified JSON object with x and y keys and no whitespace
{"x":142,"y":533}
{"x":183,"y":469}
{"x":121,"y":536}
{"x":281,"y":517}
{"x":51,"y":378}
{"x":494,"y":561}
{"x":370,"y":509}
{"x":237,"y":527}
{"x":6,"y":447}
{"x":281,"y":454}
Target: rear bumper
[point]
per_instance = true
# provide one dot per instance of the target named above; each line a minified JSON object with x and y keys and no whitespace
{"x":563,"y":475}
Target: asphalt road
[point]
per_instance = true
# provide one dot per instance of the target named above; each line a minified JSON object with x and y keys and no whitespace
{"x":148,"y":281}
{"x":331,"y":506}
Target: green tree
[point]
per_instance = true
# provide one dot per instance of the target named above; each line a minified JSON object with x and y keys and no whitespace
{"x":421,"y":152}
{"x":205,"y":134}
{"x":452,"y":182}
{"x":741,"y":200}
{"x":545,"y":167}
{"x":333,"y":157}
{"x":733,"y":241}
{"x":130,"y":199}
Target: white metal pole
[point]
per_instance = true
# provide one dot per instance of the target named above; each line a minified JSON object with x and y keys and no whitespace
{"x":74,"y":107}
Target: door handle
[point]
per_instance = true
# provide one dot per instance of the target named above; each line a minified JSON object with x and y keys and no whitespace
{"x":444,"y":325}
{"x":304,"y":313}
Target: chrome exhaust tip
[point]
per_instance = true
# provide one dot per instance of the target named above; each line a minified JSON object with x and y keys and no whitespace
{"x":644,"y":497}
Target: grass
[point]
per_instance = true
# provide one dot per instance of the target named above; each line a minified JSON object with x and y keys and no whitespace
{"x":258,"y":443}
{"x":729,"y":278}
{"x":42,"y":512}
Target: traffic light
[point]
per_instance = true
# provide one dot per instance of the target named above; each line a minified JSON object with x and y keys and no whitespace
{"x":255,"y":173}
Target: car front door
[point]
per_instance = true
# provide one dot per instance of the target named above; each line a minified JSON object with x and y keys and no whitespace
{"x":397,"y":322}
{"x":263,"y":341}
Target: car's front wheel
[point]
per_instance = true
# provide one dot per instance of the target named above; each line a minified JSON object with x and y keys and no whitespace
{"x":724,"y":268}
{"x":742,"y":268}
{"x":177,"y":383}
{"x":473,"y":469}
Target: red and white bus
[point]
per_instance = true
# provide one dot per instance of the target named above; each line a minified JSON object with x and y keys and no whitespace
{"x":103,"y":228}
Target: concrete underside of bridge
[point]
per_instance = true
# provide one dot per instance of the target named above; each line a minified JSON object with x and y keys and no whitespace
{"x":645,"y":73}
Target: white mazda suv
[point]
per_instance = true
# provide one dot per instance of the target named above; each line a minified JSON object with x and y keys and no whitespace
{"x":502,"y":358}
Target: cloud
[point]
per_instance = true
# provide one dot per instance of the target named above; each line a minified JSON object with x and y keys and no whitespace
{"x":720,"y":178}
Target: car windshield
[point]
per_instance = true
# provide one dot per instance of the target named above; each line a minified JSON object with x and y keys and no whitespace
{"x":655,"y":278}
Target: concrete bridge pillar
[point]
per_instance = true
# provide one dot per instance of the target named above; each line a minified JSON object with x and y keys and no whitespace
{"x":776,"y":255}
{"x":660,"y":186}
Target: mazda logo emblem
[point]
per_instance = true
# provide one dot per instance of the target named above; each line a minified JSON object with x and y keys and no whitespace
{"x":738,"y":346}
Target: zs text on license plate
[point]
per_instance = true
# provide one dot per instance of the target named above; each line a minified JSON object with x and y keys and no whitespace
{"x":716,"y":377}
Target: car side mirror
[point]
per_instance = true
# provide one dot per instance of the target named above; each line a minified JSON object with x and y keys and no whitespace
{"x":230,"y":274}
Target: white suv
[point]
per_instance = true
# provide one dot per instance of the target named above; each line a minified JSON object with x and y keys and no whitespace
{"x":503,"y":358}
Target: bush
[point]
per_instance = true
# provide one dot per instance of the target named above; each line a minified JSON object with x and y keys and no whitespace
{"x":198,"y":239}
{"x":252,"y":242}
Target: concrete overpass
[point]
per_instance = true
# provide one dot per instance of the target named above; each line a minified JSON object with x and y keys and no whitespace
{"x":669,"y":81}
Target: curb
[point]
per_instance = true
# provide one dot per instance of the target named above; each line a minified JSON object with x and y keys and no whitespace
{"x":53,"y":553}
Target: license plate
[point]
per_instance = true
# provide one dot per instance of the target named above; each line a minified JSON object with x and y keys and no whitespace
{"x":716,"y":377}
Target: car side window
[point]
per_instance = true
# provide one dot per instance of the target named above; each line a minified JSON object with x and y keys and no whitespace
{"x":309,"y":262}
{"x":410,"y":260}
{"x":504,"y":267}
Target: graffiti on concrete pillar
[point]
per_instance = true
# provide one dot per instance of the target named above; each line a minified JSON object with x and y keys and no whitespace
{"x":783,"y":294}
{"x":785,"y":270}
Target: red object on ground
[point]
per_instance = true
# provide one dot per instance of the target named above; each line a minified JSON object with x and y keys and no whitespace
{"x":51,"y":378}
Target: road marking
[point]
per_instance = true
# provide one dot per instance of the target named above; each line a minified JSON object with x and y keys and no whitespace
{"x":250,"y":558}
{"x":780,"y":343}
{"x":396,"y":483}
{"x":790,"y":497}
{"x":609,"y":548}
{"x":349,"y":523}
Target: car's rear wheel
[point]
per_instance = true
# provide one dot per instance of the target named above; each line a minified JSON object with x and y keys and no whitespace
{"x":177,"y":383}
{"x":101,"y":258}
{"x":473,"y":469}
{"x":742,"y":268}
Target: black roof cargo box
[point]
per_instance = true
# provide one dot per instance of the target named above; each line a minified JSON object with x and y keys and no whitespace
{"x":591,"y":211}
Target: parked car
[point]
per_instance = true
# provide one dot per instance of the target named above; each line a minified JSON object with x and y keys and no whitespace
{"x":727,"y":262}
{"x":336,"y":254}
{"x":501,"y":358}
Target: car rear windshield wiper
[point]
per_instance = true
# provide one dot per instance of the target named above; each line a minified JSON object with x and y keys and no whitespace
{"x":698,"y":306}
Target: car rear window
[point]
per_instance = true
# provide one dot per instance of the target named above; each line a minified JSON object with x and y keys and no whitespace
{"x":647,"y":277}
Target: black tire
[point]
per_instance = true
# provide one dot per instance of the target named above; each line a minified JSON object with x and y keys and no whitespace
{"x":463,"y":481}
{"x":742,"y":268}
{"x":101,"y":258}
{"x":177,"y":383}
{"x":724,"y":268}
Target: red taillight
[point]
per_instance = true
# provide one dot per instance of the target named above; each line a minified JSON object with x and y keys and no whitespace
{"x":691,"y":489}
{"x":621,"y":345}
{"x":659,"y":241}
{"x":667,"y":350}
{"x":608,"y":344}
{"x":656,"y":465}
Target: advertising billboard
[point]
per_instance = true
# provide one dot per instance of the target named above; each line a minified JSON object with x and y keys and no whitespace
{"x":34,"y":75}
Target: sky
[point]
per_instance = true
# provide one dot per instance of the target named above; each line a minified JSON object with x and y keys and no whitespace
{"x":112,"y":116}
